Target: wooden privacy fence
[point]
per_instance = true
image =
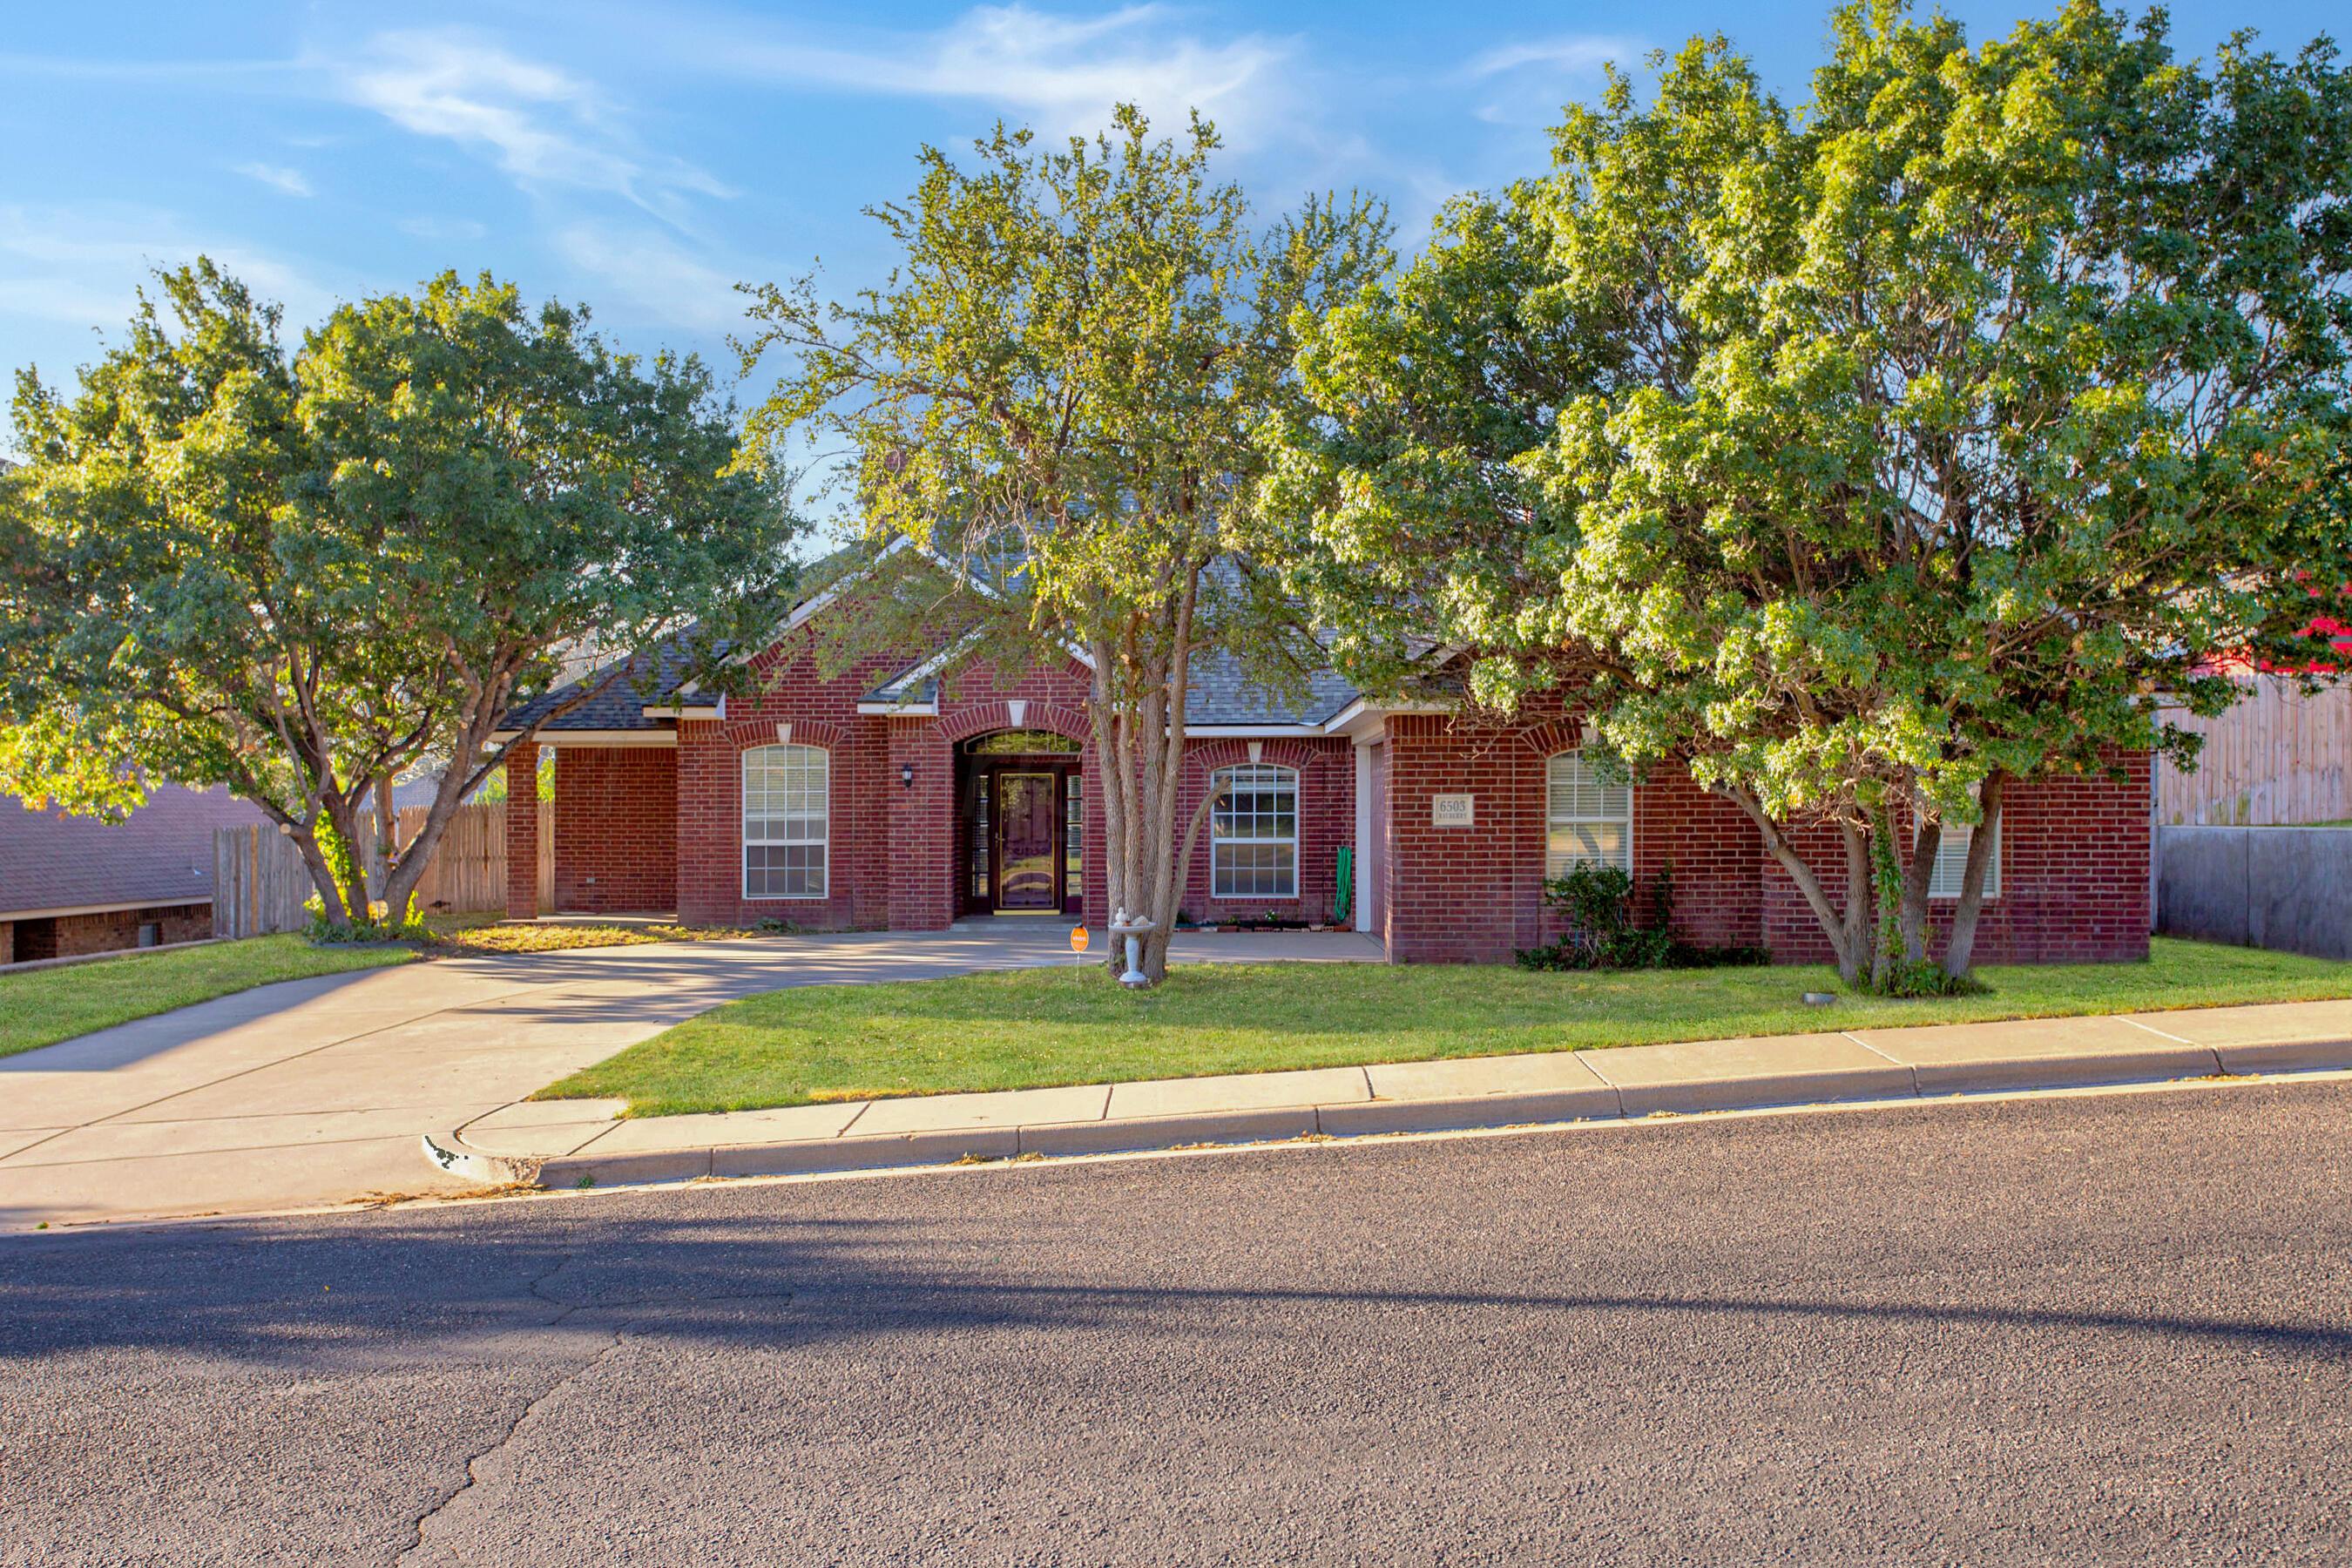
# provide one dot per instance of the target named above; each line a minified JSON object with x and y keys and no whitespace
{"x":259,"y":883}
{"x":2277,"y":757}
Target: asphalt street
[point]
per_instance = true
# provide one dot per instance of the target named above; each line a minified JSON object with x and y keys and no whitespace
{"x":2109,"y":1329}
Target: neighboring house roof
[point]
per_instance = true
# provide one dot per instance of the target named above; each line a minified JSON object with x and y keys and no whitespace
{"x":161,"y":854}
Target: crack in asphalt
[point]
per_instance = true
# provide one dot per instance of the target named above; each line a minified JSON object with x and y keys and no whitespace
{"x":420,"y":1552}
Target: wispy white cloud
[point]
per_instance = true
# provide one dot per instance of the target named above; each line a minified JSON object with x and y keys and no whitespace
{"x":653,"y":277}
{"x":1065,"y":73}
{"x":540,"y":124}
{"x":1573,"y":54}
{"x":1525,"y":83}
{"x":276,"y":177}
{"x":84,"y":266}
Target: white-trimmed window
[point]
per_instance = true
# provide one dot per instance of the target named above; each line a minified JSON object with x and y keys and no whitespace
{"x":1254,"y":833}
{"x":1952,"y":860}
{"x":787,"y":821}
{"x":1588,"y":819}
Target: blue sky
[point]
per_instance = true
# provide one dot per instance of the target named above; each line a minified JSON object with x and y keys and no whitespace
{"x":645,"y":159}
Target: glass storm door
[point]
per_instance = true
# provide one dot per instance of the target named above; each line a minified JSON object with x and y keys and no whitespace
{"x":1027,"y":853}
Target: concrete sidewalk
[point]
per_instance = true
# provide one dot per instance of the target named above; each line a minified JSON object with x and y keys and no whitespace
{"x":316,"y":1091}
{"x":563,"y":1143}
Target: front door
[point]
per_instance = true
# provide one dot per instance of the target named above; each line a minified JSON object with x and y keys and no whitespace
{"x":1028,"y":851}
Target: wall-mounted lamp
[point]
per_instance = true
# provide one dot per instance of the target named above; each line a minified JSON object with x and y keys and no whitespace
{"x":906,"y":776}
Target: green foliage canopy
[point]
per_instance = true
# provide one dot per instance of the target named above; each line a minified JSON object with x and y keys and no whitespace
{"x":303,"y":575}
{"x":1054,"y":395}
{"x":1864,"y":458}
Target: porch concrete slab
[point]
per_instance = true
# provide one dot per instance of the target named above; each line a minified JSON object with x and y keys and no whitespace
{"x":1463,"y":1078}
{"x":2279,"y":1037}
{"x":144,"y":1140}
{"x":1716,"y":1075}
{"x":547,"y":1113}
{"x":646,"y":1134}
{"x":1270,"y":947}
{"x":1953,"y":1059}
{"x":1239,"y":1091}
{"x":1011,"y":1108}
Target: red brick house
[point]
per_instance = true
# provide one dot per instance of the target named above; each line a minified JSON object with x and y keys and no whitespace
{"x":885,"y":798}
{"x":74,"y":885}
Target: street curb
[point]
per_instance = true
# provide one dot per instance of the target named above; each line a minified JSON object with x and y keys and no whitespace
{"x":451,"y":1155}
{"x":1995,"y":1074}
{"x":1603,"y":1102}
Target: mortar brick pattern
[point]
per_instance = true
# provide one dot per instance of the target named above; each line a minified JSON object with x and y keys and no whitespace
{"x":2074,"y":884}
{"x":616,"y":829}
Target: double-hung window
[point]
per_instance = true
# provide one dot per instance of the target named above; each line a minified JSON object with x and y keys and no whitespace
{"x":1952,"y":860}
{"x":787,"y":820}
{"x":1587,"y":818}
{"x":1254,"y":833}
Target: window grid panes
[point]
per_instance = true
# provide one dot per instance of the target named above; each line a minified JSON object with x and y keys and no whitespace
{"x":977,"y":792}
{"x":1073,"y":837}
{"x":1589,"y":819}
{"x":786,"y":821}
{"x":1952,"y":860}
{"x":1254,"y":833}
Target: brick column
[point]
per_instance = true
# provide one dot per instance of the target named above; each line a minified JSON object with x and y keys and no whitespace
{"x":922,"y":844}
{"x":522,"y":834}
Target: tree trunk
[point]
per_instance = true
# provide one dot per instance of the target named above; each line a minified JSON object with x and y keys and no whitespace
{"x":352,"y":868}
{"x":334,"y":911}
{"x":1860,"y":931}
{"x":381,"y":842}
{"x":1848,"y":932}
{"x":1916,"y":877}
{"x":1959,"y":958}
{"x":468,"y":758}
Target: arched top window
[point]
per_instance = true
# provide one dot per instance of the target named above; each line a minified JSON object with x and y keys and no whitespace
{"x":787,"y":821}
{"x":1254,"y":833}
{"x":1588,"y":817}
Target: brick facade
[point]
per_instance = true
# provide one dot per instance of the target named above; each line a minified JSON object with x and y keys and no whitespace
{"x":522,"y":835}
{"x":106,"y":930}
{"x":2073,"y":871}
{"x":660,"y":826}
{"x":2074,"y":885}
{"x":1327,"y":820}
{"x":616,"y":828}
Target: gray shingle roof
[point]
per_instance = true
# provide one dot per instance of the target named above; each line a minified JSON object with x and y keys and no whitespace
{"x":1222,"y":695}
{"x":161,"y":854}
{"x":656,"y":676}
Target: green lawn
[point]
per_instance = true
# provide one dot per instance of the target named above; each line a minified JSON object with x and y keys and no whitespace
{"x":42,"y":1006}
{"x":1035,"y":1027}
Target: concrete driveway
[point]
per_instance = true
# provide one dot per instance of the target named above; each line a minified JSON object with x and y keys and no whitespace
{"x":316,"y":1091}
